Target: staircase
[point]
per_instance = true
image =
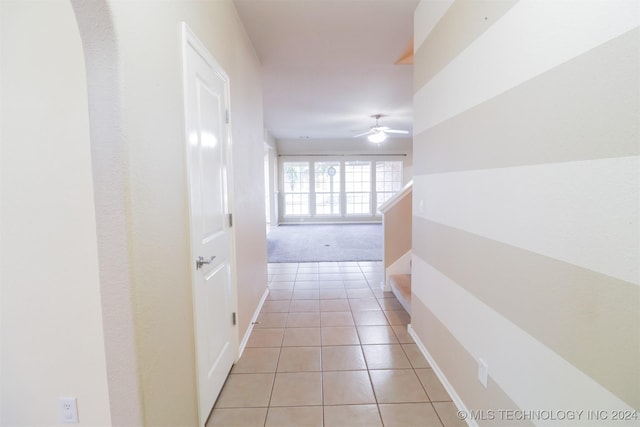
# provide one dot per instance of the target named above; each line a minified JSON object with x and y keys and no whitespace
{"x":396,"y":223}
{"x":401,"y":288}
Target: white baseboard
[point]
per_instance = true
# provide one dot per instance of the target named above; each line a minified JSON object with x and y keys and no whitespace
{"x":443,"y":379}
{"x":401,"y":266}
{"x":245,"y":339}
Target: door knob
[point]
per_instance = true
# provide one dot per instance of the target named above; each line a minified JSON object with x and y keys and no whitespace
{"x":201,"y":261}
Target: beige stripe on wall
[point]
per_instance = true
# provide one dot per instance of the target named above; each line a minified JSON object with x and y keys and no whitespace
{"x":530,"y":39}
{"x":586,"y":108}
{"x":463,"y":22}
{"x":526,"y":183}
{"x":460,"y":366}
{"x":584,"y":213}
{"x":590,"y":319}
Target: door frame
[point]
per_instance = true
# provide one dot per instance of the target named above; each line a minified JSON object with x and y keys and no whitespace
{"x":189,"y":39}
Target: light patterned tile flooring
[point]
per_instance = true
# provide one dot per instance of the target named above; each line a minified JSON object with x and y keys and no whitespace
{"x":331,"y":349}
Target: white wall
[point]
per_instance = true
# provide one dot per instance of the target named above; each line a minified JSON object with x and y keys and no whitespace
{"x":51,"y":272}
{"x":396,"y":145}
{"x":152,"y":111}
{"x":526,"y":202}
{"x":52,"y":330}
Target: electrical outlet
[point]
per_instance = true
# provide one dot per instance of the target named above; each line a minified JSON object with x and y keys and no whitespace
{"x":483,"y":372}
{"x":68,"y":410}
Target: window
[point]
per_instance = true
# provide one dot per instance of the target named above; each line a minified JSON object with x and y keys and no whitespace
{"x":357,"y":179}
{"x":388,"y":180}
{"x":296,"y":188}
{"x":337,"y":188}
{"x":327,"y":188}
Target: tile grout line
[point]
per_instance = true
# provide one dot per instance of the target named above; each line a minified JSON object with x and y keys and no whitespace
{"x":373,"y":390}
{"x":275,"y":374}
{"x":423,"y":386}
{"x":350,"y":303}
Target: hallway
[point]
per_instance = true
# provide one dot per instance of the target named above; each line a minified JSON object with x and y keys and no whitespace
{"x":331,"y":349}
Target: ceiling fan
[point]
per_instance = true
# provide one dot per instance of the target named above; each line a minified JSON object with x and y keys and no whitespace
{"x":378,"y":133}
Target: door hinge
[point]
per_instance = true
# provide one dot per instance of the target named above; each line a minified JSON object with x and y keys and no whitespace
{"x":233,"y":318}
{"x":226,"y":116}
{"x":230,"y":220}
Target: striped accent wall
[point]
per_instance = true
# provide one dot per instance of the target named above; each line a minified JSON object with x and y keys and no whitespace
{"x":526,"y":234}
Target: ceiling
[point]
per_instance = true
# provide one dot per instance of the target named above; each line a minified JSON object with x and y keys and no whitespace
{"x":329,"y":65}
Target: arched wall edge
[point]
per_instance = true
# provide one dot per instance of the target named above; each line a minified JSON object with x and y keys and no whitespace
{"x":110,"y":171}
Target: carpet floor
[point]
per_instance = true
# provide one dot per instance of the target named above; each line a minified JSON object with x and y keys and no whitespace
{"x":325,"y":242}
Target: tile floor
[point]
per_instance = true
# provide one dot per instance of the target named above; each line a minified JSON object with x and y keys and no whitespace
{"x":331,"y":349}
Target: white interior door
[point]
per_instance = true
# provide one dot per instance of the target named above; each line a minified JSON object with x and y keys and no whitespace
{"x":206,"y":106}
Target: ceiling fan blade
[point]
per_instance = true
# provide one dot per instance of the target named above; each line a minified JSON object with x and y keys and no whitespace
{"x":362,"y":134}
{"x":404,"y":132}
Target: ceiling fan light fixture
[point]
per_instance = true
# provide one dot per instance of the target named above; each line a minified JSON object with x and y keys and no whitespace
{"x":377,"y":137}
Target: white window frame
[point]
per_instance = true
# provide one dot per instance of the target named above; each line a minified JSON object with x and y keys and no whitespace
{"x":336,"y":188}
{"x":342,"y":216}
{"x":285,"y":193}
